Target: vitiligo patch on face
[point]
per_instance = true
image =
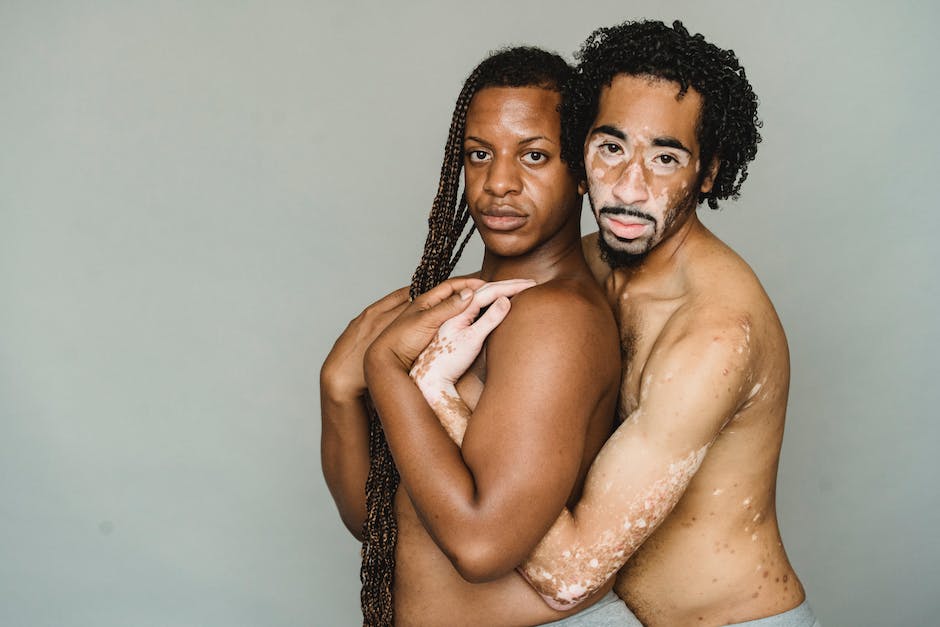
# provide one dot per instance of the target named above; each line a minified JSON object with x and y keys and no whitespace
{"x":564,"y":582}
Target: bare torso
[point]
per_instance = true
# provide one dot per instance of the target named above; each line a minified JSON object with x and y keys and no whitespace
{"x":428,"y":590}
{"x":718,"y":557}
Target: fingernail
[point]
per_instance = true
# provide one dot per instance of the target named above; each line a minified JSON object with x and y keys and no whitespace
{"x":465,"y":293}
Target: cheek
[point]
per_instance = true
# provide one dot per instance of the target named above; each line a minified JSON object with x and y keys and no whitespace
{"x":473,"y":183}
{"x":599,"y":171}
{"x":662,"y":200}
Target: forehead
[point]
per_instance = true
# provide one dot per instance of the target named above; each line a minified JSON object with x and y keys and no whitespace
{"x":515,"y":111}
{"x":647,"y":106}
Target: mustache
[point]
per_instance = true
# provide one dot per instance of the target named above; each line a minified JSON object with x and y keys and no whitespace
{"x":615,"y":210}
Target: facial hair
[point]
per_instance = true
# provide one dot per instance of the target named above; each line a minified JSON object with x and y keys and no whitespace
{"x":616,"y":258}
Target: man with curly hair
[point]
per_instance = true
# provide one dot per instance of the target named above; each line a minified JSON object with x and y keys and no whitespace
{"x":679,"y":505}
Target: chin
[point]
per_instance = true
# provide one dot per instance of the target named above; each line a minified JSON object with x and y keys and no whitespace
{"x":623,"y":256}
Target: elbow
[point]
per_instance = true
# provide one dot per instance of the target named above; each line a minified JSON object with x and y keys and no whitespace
{"x":481,"y":562}
{"x":355,"y":525}
{"x":559,"y":593}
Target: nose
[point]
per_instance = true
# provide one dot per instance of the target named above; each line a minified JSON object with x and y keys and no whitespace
{"x":502,"y":177}
{"x":631,"y":188}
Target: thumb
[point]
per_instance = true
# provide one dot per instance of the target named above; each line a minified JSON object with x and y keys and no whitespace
{"x":495,"y":314}
{"x":434,"y":314}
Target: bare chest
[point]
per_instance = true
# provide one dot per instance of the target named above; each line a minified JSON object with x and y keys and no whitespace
{"x":641,"y":322}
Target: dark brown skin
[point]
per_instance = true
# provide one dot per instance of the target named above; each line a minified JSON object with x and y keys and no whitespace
{"x":344,"y":433}
{"x":552,"y":371}
{"x":681,"y":498}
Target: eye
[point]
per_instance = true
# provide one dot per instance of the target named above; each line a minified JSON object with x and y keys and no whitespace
{"x":477,"y":156}
{"x":667,"y":159}
{"x":610,"y":148}
{"x":534,"y":156}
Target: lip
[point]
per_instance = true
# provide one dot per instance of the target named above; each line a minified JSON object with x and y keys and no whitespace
{"x":627,"y":227}
{"x":502,"y":218}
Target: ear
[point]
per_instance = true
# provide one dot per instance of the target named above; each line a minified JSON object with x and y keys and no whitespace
{"x":710,"y":173}
{"x":582,"y":187}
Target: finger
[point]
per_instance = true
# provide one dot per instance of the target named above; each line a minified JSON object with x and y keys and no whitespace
{"x":487,"y":294}
{"x":431,"y":313}
{"x":446,"y":289}
{"x":491,"y":319}
{"x":394,"y":299}
{"x":386,"y":318}
{"x":492,"y":291}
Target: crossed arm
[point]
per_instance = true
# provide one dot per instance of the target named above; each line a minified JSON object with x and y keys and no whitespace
{"x":344,"y":434}
{"x":694,"y":382}
{"x":488,"y":505}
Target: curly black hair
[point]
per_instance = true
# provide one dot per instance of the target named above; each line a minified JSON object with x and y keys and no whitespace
{"x":728,"y":122}
{"x":509,"y":67}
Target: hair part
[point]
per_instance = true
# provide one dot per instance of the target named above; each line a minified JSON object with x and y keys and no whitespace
{"x":728,"y":124}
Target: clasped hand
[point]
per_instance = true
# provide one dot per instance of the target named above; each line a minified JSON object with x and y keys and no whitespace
{"x":437,"y":337}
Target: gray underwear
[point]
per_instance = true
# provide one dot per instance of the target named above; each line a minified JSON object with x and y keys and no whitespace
{"x":800,"y":616}
{"x":610,"y":611}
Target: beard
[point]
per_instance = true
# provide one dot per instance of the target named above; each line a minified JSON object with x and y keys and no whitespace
{"x":619,"y":258}
{"x":616,"y":258}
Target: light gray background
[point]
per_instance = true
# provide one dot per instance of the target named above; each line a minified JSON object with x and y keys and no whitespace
{"x":196,"y":196}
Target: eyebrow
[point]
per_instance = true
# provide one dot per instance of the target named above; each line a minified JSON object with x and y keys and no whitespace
{"x":522,"y":142}
{"x":665,"y":142}
{"x":671,"y":142}
{"x":606,"y":129}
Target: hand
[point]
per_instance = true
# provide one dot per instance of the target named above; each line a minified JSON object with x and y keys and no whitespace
{"x":410,"y":333}
{"x":460,"y":339}
{"x":341,"y":377}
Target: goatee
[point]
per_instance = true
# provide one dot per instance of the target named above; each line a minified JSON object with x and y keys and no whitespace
{"x":618,"y":258}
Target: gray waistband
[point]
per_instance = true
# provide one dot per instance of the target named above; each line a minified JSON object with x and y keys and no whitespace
{"x":800,"y":616}
{"x":610,"y":611}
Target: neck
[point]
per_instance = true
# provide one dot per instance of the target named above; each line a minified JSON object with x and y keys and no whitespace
{"x":558,"y":258}
{"x":667,"y":258}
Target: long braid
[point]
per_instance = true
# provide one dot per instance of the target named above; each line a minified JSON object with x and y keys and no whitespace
{"x":512,"y":67}
{"x":448,"y":217}
{"x":445,"y":224}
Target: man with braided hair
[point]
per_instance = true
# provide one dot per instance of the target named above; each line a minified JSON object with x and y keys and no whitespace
{"x":681,"y":499}
{"x":542,"y":395}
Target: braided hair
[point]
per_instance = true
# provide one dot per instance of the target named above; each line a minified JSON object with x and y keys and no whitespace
{"x":728,"y":122}
{"x":509,"y":67}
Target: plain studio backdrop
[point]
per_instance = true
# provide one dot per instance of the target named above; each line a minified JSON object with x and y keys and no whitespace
{"x":195,"y":198}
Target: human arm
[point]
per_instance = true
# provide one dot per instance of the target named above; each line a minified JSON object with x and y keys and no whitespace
{"x":487,"y":507}
{"x":344,"y":435}
{"x":453,"y":350}
{"x":696,"y":379}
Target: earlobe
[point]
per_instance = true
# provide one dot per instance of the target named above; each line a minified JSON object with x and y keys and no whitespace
{"x":582,"y":187}
{"x":709,"y":179}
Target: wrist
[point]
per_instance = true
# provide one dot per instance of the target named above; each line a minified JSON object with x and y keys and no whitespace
{"x":429,"y":384}
{"x":335,"y":389}
{"x":379,"y":361}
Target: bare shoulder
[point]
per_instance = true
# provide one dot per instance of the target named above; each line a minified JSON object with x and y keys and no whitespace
{"x":561,"y":319}
{"x":727,"y":325}
{"x":727,"y":294}
{"x":565,"y":302}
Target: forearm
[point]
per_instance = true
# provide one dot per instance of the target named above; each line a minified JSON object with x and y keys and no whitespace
{"x":566,"y":569}
{"x":586,"y":547}
{"x":469,"y":528}
{"x":344,"y":455}
{"x":451,"y":410}
{"x":416,"y":438}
